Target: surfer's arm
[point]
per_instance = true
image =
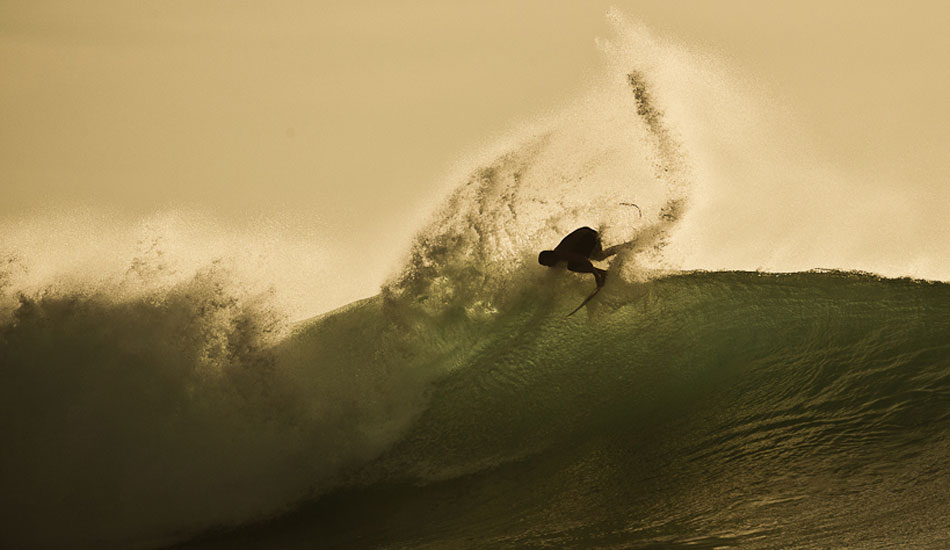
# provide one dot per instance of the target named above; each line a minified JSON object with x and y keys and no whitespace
{"x":613,"y":250}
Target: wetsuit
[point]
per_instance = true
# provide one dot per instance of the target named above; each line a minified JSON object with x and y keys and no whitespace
{"x":577,"y":249}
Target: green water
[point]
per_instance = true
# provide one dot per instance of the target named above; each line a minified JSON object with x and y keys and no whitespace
{"x":704,"y":410}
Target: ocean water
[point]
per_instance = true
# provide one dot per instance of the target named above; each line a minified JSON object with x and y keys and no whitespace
{"x":700,"y":410}
{"x":703,"y":410}
{"x":151,"y":401}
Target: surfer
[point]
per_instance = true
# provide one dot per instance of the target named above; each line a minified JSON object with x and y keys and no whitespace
{"x":577,"y":250}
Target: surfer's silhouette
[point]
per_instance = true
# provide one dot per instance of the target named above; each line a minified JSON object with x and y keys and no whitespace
{"x":577,"y":250}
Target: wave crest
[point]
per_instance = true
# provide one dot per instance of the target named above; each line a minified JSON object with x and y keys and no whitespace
{"x":584,"y":167}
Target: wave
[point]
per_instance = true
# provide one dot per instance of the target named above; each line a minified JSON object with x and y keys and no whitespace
{"x":155,"y":398}
{"x":139,"y":419}
{"x":697,"y":410}
{"x":140,"y":422}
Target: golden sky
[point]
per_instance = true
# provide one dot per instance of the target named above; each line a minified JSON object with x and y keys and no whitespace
{"x":342,"y":118}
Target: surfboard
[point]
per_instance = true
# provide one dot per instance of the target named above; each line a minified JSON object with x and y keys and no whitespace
{"x":584,"y":303}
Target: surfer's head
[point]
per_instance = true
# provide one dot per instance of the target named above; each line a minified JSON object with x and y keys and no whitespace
{"x":547,"y":257}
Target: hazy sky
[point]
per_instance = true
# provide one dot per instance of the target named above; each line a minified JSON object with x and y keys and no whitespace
{"x":342,"y":118}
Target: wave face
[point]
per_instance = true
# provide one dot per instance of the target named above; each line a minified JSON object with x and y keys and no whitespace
{"x":700,"y":410}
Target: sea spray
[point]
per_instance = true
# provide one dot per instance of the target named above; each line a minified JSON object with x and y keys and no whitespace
{"x":151,"y":404}
{"x":584,"y":168}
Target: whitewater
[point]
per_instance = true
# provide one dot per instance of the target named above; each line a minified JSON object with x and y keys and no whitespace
{"x":762,"y":369}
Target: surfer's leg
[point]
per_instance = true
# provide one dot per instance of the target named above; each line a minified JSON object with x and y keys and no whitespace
{"x":579,"y":264}
{"x":597,"y":252}
{"x":615,"y":249}
{"x":583,"y":265}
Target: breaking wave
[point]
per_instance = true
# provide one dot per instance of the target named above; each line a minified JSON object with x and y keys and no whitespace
{"x":145,"y":398}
